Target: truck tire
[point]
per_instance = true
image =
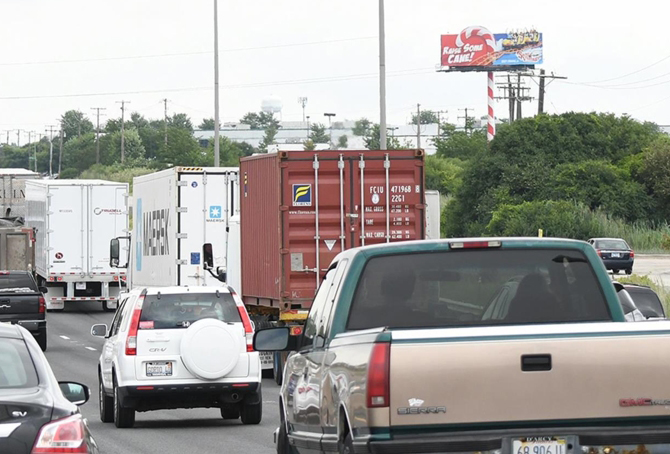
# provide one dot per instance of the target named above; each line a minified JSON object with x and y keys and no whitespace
{"x":251,"y":413}
{"x":123,"y":417}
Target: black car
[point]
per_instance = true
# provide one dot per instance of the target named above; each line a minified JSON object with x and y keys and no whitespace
{"x":37,"y":413}
{"x":646,"y":300}
{"x":616,"y":254}
{"x":22,"y":302}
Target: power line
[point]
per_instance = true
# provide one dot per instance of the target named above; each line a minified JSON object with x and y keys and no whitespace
{"x":184,"y":54}
{"x":630,"y":74}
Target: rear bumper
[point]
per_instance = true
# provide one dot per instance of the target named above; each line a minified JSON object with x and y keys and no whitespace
{"x":618,"y":264}
{"x":34,"y":326}
{"x":655,"y":439}
{"x":196,"y":395}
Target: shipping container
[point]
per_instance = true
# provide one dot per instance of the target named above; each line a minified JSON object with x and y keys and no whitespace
{"x":433,"y":211}
{"x":13,"y":191}
{"x":75,"y":221}
{"x":176,"y":211}
{"x":300,"y":209}
{"x":17,"y":251}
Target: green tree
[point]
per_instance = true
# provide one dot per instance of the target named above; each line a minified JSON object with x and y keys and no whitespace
{"x":453,"y":143}
{"x":135,"y":153}
{"x":443,"y":174}
{"x":75,"y":124}
{"x":318,"y":133}
{"x":181,"y":121}
{"x":362,"y":127}
{"x":427,"y":117}
{"x":269,"y":138}
{"x":79,"y":153}
{"x":343,"y":142}
{"x":207,"y":124}
{"x":373,"y":140}
{"x":309,"y":145}
{"x":655,"y":173}
{"x":261,"y":120}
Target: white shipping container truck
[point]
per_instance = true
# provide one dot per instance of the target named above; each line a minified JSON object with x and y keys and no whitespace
{"x":13,"y":191}
{"x":176,"y":211}
{"x":75,"y":221}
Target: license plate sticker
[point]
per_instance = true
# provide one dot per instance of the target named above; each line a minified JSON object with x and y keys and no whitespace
{"x":539,"y":445}
{"x":160,"y":369}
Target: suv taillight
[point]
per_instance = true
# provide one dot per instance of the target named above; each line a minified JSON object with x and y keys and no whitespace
{"x":61,"y":436}
{"x":131,"y":341}
{"x":43,"y":305}
{"x":378,"y":376}
{"x":246,"y":321}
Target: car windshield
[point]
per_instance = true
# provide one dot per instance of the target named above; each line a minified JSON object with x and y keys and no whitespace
{"x":180,"y":311}
{"x":647,"y":301}
{"x":477,"y":288}
{"x":611,"y":244}
{"x":17,"y":283}
{"x":16,"y":366}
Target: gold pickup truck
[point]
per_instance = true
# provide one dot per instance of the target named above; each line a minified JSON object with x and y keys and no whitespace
{"x":500,"y":345}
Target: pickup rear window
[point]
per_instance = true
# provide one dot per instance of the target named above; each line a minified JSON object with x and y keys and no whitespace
{"x":477,"y":288}
{"x":179,"y":311}
{"x":17,"y":283}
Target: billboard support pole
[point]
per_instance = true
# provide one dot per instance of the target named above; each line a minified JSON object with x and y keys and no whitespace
{"x":491,"y":128}
{"x":382,"y":78}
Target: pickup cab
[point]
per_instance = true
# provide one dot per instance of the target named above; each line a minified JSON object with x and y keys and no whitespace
{"x":486,"y":345}
{"x":22,"y":302}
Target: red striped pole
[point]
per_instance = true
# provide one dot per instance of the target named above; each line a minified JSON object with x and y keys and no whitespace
{"x":491,"y":128}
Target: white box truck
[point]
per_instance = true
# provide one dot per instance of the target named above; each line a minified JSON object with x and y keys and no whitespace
{"x":75,"y":221}
{"x":175,"y":212}
{"x":433,"y":217}
{"x":13,"y":191}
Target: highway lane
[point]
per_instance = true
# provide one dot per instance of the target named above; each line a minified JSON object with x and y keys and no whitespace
{"x":73,"y":354}
{"x":657,"y":267}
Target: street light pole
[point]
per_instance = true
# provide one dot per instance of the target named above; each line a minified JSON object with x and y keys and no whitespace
{"x":330,"y":125}
{"x":216,"y":83}
{"x":382,"y":78}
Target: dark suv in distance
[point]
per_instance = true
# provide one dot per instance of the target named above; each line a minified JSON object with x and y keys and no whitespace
{"x":615,"y":252}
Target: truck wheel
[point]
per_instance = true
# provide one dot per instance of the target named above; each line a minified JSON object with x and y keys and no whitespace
{"x":278,"y":368}
{"x":106,"y":307}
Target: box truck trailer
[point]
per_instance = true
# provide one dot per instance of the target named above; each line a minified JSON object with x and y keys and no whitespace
{"x":176,"y":211}
{"x":74,"y":222}
{"x":17,"y":251}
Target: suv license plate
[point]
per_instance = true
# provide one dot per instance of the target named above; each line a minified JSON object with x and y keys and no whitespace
{"x":163,"y":369}
{"x":539,"y":445}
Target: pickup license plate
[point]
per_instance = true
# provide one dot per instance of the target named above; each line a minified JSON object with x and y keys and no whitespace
{"x":162,"y":369}
{"x":539,"y":445}
{"x":616,"y":255}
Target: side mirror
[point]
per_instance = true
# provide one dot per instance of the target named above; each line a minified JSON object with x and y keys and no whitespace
{"x":275,"y":340}
{"x":99,"y":330}
{"x":207,"y":256}
{"x":114,"y":253}
{"x":43,"y":290}
{"x":76,"y":393}
{"x":221,"y":274}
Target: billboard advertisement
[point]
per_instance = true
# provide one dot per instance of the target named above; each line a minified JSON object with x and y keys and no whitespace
{"x":478,"y":47}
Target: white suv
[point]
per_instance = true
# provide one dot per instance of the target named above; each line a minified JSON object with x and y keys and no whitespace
{"x":179,"y":347}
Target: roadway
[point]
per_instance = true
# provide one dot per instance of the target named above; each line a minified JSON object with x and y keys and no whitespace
{"x":73,"y":354}
{"x":657,"y":267}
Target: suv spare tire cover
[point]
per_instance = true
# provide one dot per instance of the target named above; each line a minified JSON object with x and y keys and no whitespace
{"x":210,"y":349}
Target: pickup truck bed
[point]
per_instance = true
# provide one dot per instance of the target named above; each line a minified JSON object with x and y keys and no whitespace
{"x":505,"y":345}
{"x":22,"y":302}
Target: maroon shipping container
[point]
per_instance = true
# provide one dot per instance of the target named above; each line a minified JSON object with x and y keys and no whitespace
{"x":299,"y":209}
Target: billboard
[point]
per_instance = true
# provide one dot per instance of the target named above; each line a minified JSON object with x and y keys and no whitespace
{"x":477,"y":47}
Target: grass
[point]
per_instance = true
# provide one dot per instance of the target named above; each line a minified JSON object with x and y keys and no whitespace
{"x":662,"y":291}
{"x":642,"y":237}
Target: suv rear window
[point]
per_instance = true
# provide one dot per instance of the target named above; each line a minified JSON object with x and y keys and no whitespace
{"x":16,"y":366}
{"x":17,"y":283}
{"x":477,"y":288}
{"x":179,"y":311}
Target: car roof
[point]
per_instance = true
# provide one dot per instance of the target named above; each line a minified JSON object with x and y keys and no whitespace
{"x":616,"y":239}
{"x":9,"y":331}
{"x":178,"y":290}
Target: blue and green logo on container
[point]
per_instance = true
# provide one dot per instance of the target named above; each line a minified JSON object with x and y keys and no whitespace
{"x":302,"y":195}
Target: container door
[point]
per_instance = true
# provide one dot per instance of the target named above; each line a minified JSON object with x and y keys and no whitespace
{"x":108,"y":218}
{"x":66,"y":230}
{"x":206,"y":201}
{"x":317,"y":222}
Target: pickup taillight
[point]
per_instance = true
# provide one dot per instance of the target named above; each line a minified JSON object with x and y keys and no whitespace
{"x":378,"y":376}
{"x":43,"y":305}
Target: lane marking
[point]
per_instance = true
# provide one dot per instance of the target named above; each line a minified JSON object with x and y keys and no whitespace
{"x":90,"y":348}
{"x":65,"y":337}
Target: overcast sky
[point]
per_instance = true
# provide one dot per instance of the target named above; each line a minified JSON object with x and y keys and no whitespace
{"x":146,"y":50}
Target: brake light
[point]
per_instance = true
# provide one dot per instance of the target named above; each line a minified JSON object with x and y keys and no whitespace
{"x":131,"y":341}
{"x":246,"y":321}
{"x":632,"y":254}
{"x":378,"y":376}
{"x":474,"y":244}
{"x":43,"y":305}
{"x":62,"y":436}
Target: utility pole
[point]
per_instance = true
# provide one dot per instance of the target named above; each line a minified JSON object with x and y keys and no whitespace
{"x":97,"y":134}
{"x":418,"y":126}
{"x":518,"y":99}
{"x":8,"y":137}
{"x":540,"y":102}
{"x":308,"y":129}
{"x":18,"y":137}
{"x":382,"y":78}
{"x":330,"y":125}
{"x":51,"y":147}
{"x":512,"y":98}
{"x":303,"y":102}
{"x":38,"y":141}
{"x":217,"y":132}
{"x":60,"y":149}
{"x":166,"y":125}
{"x":466,"y":117}
{"x":123,"y":129}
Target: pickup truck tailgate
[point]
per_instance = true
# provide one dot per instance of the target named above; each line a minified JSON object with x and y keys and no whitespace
{"x":530,"y":373}
{"x":17,"y":303}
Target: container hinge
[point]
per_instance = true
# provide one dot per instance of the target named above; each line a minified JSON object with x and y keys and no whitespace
{"x":50,"y":231}
{"x":361,"y":164}
{"x":182,"y":236}
{"x":387,"y":164}
{"x":182,"y":183}
{"x":182,"y":209}
{"x":181,"y":262}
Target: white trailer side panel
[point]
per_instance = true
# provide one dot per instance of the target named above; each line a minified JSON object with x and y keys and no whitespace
{"x":153,"y":253}
{"x":107,"y":219}
{"x":66,"y":230}
{"x":433,"y":218}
